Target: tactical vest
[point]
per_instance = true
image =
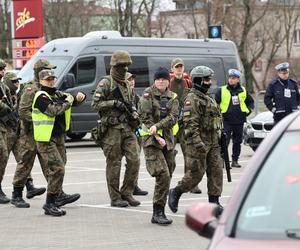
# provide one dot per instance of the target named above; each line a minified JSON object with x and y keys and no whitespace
{"x":43,"y":124}
{"x":226,"y":97}
{"x":144,"y":131}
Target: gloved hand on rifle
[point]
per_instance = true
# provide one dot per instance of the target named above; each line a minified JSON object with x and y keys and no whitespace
{"x":119,"y":105}
{"x":200,"y":146}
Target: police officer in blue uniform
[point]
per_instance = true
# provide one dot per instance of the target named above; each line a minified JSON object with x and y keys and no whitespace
{"x":235,"y":104}
{"x":282,"y":95}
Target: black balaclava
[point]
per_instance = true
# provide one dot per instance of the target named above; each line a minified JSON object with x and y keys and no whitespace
{"x":199,"y":85}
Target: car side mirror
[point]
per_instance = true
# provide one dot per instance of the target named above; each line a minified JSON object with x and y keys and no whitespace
{"x":203,"y":219}
{"x":68,"y":81}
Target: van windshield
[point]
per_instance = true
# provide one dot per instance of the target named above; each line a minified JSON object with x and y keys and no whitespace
{"x":27,"y":73}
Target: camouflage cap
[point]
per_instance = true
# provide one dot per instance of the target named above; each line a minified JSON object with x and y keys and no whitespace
{"x":176,"y":61}
{"x":46,"y":74}
{"x":2,"y":64}
{"x":128,"y":75}
{"x":11,"y":76}
{"x":43,"y":64}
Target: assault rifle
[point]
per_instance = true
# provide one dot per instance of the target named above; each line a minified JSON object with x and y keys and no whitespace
{"x":11,"y":118}
{"x":224,"y":155}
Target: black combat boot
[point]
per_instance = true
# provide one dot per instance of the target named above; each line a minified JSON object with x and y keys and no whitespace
{"x":119,"y":203}
{"x":196,"y":190}
{"x":138,"y":191}
{"x":50,"y":207}
{"x":235,"y":164}
{"x":32,"y":190}
{"x":132,"y":202}
{"x":159,"y":216}
{"x":174,"y":196}
{"x":215,"y":199}
{"x":17,"y":198}
{"x":63,"y":199}
{"x":3,"y":198}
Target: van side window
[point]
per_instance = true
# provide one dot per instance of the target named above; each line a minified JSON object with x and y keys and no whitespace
{"x":84,"y":71}
{"x":139,"y":67}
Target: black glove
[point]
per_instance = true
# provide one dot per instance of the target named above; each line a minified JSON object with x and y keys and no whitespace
{"x":200,"y":146}
{"x":119,"y":105}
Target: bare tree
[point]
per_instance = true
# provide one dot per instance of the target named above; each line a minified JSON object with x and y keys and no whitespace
{"x":5,"y":30}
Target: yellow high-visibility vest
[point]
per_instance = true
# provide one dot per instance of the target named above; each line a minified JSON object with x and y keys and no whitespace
{"x":226,"y":97}
{"x":43,"y":124}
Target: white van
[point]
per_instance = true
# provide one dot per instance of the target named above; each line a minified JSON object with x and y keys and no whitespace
{"x":82,"y":61}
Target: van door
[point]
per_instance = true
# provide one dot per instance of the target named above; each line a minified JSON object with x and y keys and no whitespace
{"x":83,"y":73}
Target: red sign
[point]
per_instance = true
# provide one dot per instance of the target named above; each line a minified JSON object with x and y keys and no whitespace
{"x":28,"y":19}
{"x":24,"y":49}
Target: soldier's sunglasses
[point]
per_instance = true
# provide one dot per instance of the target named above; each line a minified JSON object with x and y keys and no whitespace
{"x":179,"y":66}
{"x":15,"y":81}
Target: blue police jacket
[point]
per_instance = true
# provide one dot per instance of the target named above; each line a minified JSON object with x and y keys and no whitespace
{"x":282,"y":97}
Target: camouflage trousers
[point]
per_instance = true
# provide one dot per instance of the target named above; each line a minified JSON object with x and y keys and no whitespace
{"x":116,"y":144}
{"x":181,"y":139}
{"x":207,"y":159}
{"x":3,"y":153}
{"x":160,"y":165}
{"x":27,"y":152}
{"x":13,"y":145}
{"x":53,"y":155}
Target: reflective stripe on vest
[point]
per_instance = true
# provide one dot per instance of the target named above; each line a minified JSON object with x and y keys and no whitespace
{"x":226,"y":98}
{"x":43,"y":124}
{"x":145,"y":131}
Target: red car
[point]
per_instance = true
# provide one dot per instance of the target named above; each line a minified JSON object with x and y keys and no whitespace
{"x":264,"y":211}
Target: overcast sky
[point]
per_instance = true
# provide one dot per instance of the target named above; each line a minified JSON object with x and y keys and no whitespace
{"x":167,"y":5}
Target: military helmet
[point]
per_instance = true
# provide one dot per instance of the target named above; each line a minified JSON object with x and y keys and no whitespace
{"x":201,"y":72}
{"x":2,"y":64}
{"x":120,"y":57}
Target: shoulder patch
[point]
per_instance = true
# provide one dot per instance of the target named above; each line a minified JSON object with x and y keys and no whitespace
{"x":29,"y":89}
{"x":97,"y":94}
{"x":147,"y":95}
{"x":186,"y":112}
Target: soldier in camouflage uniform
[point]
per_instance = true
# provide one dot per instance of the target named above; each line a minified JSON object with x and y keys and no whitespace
{"x":202,"y":126}
{"x":12,"y":82}
{"x":51,"y":117}
{"x":5,"y":109}
{"x":131,"y":80}
{"x":181,"y":87}
{"x":113,"y":100}
{"x":159,"y":109}
{"x":28,"y":149}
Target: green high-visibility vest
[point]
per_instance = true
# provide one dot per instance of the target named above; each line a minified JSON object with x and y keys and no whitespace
{"x":145,"y":131}
{"x":43,"y":124}
{"x":226,"y":97}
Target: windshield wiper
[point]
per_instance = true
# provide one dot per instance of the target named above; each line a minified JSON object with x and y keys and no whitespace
{"x":293,"y":233}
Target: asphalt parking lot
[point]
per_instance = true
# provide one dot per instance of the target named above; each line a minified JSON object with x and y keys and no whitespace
{"x":90,"y":222}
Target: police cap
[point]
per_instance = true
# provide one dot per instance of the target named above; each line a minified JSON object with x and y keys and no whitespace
{"x":234,"y":73}
{"x":282,"y":66}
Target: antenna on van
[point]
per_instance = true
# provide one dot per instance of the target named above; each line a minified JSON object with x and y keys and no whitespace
{"x":54,"y":48}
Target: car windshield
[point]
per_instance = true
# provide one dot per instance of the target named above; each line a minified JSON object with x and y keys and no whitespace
{"x":272,"y":206}
{"x":27,"y":74}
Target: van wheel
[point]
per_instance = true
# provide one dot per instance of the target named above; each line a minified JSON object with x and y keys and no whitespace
{"x":76,"y":136}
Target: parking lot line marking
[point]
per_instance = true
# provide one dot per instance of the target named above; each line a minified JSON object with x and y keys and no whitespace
{"x":128,"y":209}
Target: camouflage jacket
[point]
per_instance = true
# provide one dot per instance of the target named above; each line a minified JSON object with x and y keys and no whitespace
{"x":161,"y":110}
{"x":104,"y":100}
{"x":202,"y":119}
{"x":5,"y":104}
